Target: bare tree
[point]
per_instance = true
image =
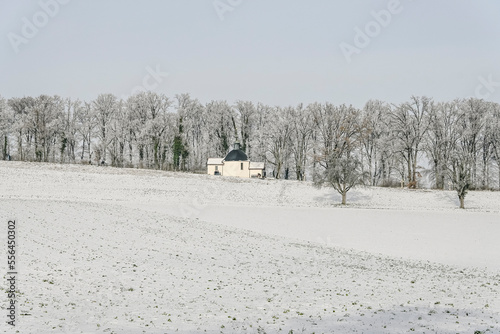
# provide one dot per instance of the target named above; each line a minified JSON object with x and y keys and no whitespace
{"x":257,"y":140}
{"x":341,"y":133}
{"x":474,"y":110}
{"x":440,"y":138}
{"x":247,"y":113}
{"x":104,"y":109}
{"x":343,"y":173}
{"x":375,"y":116}
{"x":410,"y":124}
{"x":44,"y":121}
{"x":21,"y":108}
{"x":69,"y":130}
{"x":486,"y":146}
{"x":86,"y":124}
{"x":220,"y":126}
{"x":194,"y":117}
{"x":150,"y":115}
{"x":119,"y":134}
{"x":464,"y":151}
{"x":278,"y":137}
{"x":6,"y":121}
{"x":302,"y":128}
{"x":495,"y":135}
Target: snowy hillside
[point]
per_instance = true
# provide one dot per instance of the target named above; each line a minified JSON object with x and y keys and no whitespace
{"x":106,"y":250}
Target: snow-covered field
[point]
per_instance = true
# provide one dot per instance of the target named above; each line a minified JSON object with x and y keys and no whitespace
{"x":106,"y":250}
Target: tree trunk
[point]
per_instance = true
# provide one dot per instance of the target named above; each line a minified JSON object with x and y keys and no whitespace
{"x":385,"y":181}
{"x":20,"y":146}
{"x":141,"y":157}
{"x":344,"y":195}
{"x":409,"y":167}
{"x":156,"y":144}
{"x":414,"y":169}
{"x":130,"y":152}
{"x":370,"y":169}
{"x":83,"y":151}
{"x":122,"y":150}
{"x":5,"y":144}
{"x":436,"y":174}
{"x":299,"y":173}
{"x":376,"y":175}
{"x":278,"y":170}
{"x":462,"y":198}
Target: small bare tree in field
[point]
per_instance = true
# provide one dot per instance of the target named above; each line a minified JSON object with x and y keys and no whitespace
{"x":343,"y":173}
{"x":461,"y":170}
{"x":341,"y":141}
{"x":463,"y":152}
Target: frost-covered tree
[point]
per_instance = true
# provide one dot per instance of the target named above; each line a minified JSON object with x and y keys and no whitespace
{"x":194,"y":135}
{"x":410,"y":123}
{"x":337,"y":128}
{"x":277,"y":137}
{"x":343,"y":173}
{"x":137,"y":109}
{"x":68,"y":130}
{"x":6,"y":122}
{"x":119,"y":134}
{"x":340,"y":131}
{"x":186,"y":132}
{"x":221,"y":127}
{"x":86,"y":123}
{"x":302,"y":128}
{"x":440,"y":138}
{"x":461,"y":160}
{"x":20,"y":108}
{"x":257,"y":140}
{"x":325,"y":124}
{"x":474,"y":111}
{"x":463,"y":153}
{"x":374,"y":149}
{"x":495,"y":134}
{"x":179,"y":150}
{"x":247,"y":113}
{"x":105,"y":107}
{"x":44,"y":122}
{"x":149,"y":112}
{"x":461,"y":170}
{"x":486,"y":139}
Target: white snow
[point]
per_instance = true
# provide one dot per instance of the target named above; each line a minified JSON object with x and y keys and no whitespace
{"x":454,"y":238}
{"x":106,"y":250}
{"x":257,"y":165}
{"x":215,"y":161}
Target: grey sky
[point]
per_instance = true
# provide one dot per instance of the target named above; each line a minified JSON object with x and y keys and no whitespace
{"x":276,"y":52}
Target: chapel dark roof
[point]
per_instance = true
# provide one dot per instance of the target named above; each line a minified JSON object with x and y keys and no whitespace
{"x":236,"y":154}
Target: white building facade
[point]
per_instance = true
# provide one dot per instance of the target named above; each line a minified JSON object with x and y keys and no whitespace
{"x":236,"y":163}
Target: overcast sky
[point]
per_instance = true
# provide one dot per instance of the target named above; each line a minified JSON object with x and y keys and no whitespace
{"x":279,"y":52}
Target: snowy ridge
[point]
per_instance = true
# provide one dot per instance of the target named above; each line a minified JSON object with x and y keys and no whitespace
{"x":82,"y":182}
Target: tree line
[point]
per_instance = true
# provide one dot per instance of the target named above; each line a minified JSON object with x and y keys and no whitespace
{"x":450,"y":144}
